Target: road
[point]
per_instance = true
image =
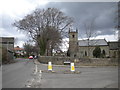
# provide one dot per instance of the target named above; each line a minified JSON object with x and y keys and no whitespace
{"x":15,"y":76}
{"x":104,"y":77}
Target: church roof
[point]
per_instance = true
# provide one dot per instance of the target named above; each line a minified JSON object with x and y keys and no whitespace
{"x":95,"y":42}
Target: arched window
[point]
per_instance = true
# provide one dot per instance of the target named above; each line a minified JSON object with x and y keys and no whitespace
{"x":103,"y":52}
{"x":74,"y":55}
{"x":85,"y":53}
{"x":77,"y":43}
{"x":73,"y":36}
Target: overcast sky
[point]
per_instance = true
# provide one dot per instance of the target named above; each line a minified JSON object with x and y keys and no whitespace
{"x":103,"y":13}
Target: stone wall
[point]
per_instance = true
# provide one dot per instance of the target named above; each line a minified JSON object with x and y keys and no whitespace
{"x":53,"y":59}
{"x":82,"y":61}
{"x":98,"y":62}
{"x":114,"y":53}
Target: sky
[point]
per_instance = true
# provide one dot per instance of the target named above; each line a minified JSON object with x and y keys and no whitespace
{"x":104,"y":15}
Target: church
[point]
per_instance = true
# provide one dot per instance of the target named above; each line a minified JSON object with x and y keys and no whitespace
{"x":81,"y":48}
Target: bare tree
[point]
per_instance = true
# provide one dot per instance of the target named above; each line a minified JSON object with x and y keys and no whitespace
{"x":46,"y":27}
{"x":30,"y":49}
{"x":90,"y":33}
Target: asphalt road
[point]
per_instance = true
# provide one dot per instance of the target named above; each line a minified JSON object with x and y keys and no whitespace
{"x":100,"y":77}
{"x":15,"y":76}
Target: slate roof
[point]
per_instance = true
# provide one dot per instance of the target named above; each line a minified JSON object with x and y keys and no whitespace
{"x":114,"y":45}
{"x":95,"y":42}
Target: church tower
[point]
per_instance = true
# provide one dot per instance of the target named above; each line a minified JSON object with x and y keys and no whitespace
{"x":73,"y":43}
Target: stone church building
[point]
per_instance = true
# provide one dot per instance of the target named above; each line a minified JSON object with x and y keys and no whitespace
{"x":84,"y":48}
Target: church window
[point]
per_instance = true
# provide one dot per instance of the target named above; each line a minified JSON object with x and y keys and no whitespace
{"x":103,"y":52}
{"x":73,"y":36}
{"x":85,"y":53}
{"x":77,"y":43}
{"x":75,"y":55}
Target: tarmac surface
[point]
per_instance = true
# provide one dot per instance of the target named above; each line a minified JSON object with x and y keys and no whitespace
{"x":18,"y":74}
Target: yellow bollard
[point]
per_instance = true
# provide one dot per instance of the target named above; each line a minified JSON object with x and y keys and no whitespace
{"x":72,"y":67}
{"x":49,"y":66}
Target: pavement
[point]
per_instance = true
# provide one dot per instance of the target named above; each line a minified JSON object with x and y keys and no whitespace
{"x":18,"y":75}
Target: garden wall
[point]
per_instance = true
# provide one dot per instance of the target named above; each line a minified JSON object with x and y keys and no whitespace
{"x":81,"y":61}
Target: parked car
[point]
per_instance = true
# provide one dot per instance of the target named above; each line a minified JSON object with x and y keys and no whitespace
{"x":30,"y":57}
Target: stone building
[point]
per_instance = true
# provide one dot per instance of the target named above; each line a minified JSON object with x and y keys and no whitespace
{"x":85,"y":50}
{"x":73,"y":43}
{"x":60,"y":53}
{"x":80,"y":48}
{"x":113,"y":46}
{"x":19,"y":51}
{"x":7,"y":45}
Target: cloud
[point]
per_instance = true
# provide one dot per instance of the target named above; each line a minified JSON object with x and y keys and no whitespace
{"x":104,"y":14}
{"x":11,"y":10}
{"x":107,"y":37}
{"x":20,"y":7}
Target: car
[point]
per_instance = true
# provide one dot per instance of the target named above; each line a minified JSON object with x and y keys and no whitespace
{"x":30,"y":57}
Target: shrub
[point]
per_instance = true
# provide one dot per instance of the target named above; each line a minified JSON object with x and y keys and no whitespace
{"x":97,"y":52}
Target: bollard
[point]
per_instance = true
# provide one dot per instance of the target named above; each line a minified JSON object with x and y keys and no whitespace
{"x":49,"y":66}
{"x":72,"y":67}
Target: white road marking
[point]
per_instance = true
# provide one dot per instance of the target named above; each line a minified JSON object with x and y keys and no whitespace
{"x":36,"y":79}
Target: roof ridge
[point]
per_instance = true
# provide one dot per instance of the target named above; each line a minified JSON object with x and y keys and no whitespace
{"x":93,"y":42}
{"x":95,"y":39}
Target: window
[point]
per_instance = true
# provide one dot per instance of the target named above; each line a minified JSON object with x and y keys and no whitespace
{"x":85,"y":53}
{"x":11,"y":42}
{"x":75,"y":55}
{"x":7,"y":42}
{"x":4,"y":42}
{"x":77,"y":43}
{"x":73,"y":36}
